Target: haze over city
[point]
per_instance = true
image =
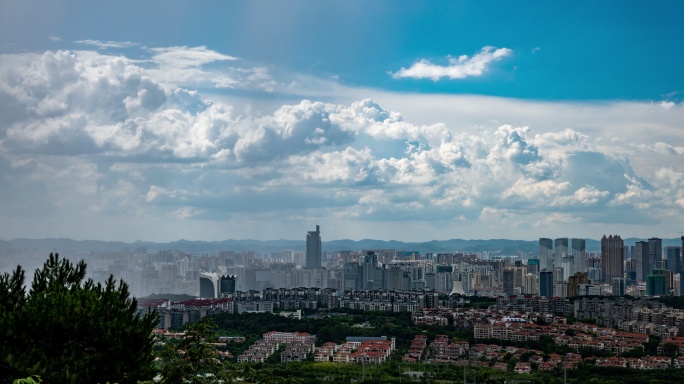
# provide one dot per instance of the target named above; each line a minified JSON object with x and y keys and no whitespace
{"x":161,"y":121}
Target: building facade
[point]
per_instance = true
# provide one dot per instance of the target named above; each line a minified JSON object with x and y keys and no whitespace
{"x":611,"y":257}
{"x":545,"y":254}
{"x":314,"y":249}
{"x":655,"y":253}
{"x":579,"y":254}
{"x":560,"y":251}
{"x":641,"y":251}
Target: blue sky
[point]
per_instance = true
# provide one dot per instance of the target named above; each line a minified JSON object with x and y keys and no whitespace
{"x":393,"y":120}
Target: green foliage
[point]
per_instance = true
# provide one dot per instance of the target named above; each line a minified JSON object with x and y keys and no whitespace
{"x":670,"y":349}
{"x":676,"y":302}
{"x":651,"y":347}
{"x":193,"y":358}
{"x":28,"y":380}
{"x":67,"y":329}
{"x":636,"y":352}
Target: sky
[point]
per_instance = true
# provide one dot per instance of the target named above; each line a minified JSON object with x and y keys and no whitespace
{"x":412,"y":121}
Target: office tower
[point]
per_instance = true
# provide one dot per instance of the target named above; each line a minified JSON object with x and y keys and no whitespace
{"x":568,"y":266}
{"x":372,"y":276}
{"x":674,"y":259}
{"x":208,"y":285}
{"x":545,"y":254}
{"x":656,"y":283}
{"x":655,"y":253}
{"x":611,"y":257}
{"x":560,"y":250}
{"x":579,"y":252}
{"x":642,"y":265}
{"x":314,"y":251}
{"x":619,"y":286}
{"x":574,"y":282}
{"x":559,"y":287}
{"x":227,"y":284}
{"x":546,"y":283}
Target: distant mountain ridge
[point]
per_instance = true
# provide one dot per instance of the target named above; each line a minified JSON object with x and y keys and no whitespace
{"x":496,"y":246}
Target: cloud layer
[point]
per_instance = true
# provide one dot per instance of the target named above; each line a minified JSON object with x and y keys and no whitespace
{"x":458,"y":68}
{"x":114,"y":144}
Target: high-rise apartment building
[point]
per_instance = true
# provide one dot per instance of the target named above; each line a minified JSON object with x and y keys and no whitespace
{"x":574,"y":282}
{"x":530,"y":284}
{"x":508,"y":280}
{"x":545,"y":254}
{"x":533,"y":266}
{"x":314,"y":249}
{"x":611,"y":257}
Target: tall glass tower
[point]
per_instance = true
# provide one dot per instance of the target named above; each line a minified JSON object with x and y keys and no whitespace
{"x":560,"y":251}
{"x":643,"y":267}
{"x":314,"y":251}
{"x":545,"y":254}
{"x":579,"y":252}
{"x":655,"y":253}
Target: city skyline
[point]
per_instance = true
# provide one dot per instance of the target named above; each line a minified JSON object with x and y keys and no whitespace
{"x":430,"y":121}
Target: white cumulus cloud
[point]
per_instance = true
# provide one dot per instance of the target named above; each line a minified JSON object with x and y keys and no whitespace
{"x":104,"y":138}
{"x":458,"y":68}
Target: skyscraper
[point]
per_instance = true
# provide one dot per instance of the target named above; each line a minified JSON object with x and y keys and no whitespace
{"x":674,"y":258}
{"x":560,"y":251}
{"x":619,"y":286}
{"x":509,"y":280}
{"x":227,"y":284}
{"x":579,"y":252}
{"x":574,"y":282}
{"x":656,"y":283}
{"x":611,"y":257}
{"x":655,"y":253}
{"x":546,"y":283}
{"x":314,"y":249}
{"x":642,"y":264}
{"x":545,"y":254}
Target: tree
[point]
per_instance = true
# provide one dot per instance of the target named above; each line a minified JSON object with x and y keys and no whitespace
{"x":67,"y":329}
{"x":193,"y":358}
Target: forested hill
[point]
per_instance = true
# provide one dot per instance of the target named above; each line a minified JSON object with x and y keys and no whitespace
{"x":496,"y":246}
